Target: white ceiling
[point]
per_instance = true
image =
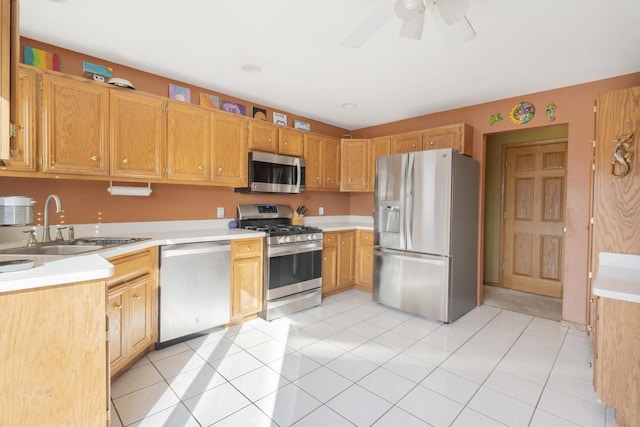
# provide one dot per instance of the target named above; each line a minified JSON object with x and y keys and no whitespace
{"x":521,"y":47}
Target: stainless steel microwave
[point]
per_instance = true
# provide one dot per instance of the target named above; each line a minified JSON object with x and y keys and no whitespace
{"x":274,"y":173}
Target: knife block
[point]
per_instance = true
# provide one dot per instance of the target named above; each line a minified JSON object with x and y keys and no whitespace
{"x":297,"y":219}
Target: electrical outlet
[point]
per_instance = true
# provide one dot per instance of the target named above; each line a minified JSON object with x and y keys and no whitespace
{"x":220,"y":212}
{"x":320,"y":210}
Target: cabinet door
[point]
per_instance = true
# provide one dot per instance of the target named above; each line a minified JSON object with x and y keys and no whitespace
{"x":75,"y":126}
{"x":23,"y":146}
{"x":353,"y":164}
{"x":314,"y":161}
{"x":331,"y":163}
{"x":229,"y":150}
{"x":364,"y":266}
{"x":290,"y":142}
{"x":346,"y":254}
{"x":137,"y":134}
{"x":116,"y":316}
{"x":329,"y":269}
{"x":406,"y":142}
{"x":189,"y":142}
{"x":6,"y":40}
{"x":139,"y":314}
{"x":377,"y":147}
{"x":263,"y":136}
{"x":247,"y":287}
{"x":445,"y":137}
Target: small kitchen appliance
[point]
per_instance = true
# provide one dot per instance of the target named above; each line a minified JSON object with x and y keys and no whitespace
{"x":293,"y":259}
{"x":16,"y":210}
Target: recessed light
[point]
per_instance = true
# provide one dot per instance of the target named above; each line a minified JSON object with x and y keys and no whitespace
{"x":251,"y":68}
{"x":349,"y":105}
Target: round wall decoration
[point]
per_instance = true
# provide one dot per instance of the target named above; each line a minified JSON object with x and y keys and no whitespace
{"x":522,"y":113}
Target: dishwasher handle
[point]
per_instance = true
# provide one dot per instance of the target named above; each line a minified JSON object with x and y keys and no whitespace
{"x":185,"y":249}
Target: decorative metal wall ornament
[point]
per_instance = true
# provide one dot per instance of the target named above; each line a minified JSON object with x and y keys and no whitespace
{"x":522,"y":113}
{"x":550,"y":112}
{"x":495,"y":118}
{"x":621,"y":156}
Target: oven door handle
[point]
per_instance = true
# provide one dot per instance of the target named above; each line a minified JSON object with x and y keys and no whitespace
{"x":295,"y":248}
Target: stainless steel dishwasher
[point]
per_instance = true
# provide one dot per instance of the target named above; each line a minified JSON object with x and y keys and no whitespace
{"x":194,"y":289}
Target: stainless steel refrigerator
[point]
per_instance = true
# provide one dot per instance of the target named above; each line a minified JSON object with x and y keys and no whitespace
{"x":426,"y":233}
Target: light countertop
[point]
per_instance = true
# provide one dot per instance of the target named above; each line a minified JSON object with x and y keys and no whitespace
{"x":54,"y":270}
{"x":618,"y":277}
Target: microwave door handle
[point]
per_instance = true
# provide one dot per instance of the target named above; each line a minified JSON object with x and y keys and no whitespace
{"x":299,"y":175}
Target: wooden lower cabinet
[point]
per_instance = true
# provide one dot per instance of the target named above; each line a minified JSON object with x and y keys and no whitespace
{"x":132,"y":301}
{"x":338,"y":266}
{"x":364,"y":260}
{"x":616,"y":371}
{"x":246,"y":278}
{"x":53,"y":350}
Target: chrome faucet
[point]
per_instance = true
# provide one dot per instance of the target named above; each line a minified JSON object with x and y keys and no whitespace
{"x":46,"y":236}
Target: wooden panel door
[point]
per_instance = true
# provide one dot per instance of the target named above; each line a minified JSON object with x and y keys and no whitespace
{"x":354,"y":155}
{"x":115,"y":314}
{"x":75,"y":129}
{"x":137,"y":134}
{"x":23,"y":146}
{"x":139,"y":307}
{"x":314,"y":161}
{"x":247,"y":289}
{"x":406,"y":142}
{"x":377,"y":147}
{"x":329,"y":262}
{"x":189,"y":142}
{"x":290,"y":142}
{"x":331,"y":166}
{"x":534,"y":218}
{"x":263,"y":136}
{"x":229,"y":150}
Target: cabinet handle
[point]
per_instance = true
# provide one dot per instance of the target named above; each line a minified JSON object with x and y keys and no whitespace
{"x":350,"y":179}
{"x":94,"y":158}
{"x":136,"y":296}
{"x":21,"y":128}
{"x":414,"y":146}
{"x":592,"y":300}
{"x":200,"y":167}
{"x":589,"y":328}
{"x":118,"y":306}
{"x":590,"y":364}
{"x":125,"y":161}
{"x":286,"y":143}
{"x":328,"y":179}
{"x":248,"y":248}
{"x":269,"y":140}
{"x":317,"y":178}
{"x":219,"y":169}
{"x":431,"y":143}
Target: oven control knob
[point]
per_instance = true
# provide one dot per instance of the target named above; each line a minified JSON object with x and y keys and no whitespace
{"x":282,"y":239}
{"x":298,"y":238}
{"x":309,"y":236}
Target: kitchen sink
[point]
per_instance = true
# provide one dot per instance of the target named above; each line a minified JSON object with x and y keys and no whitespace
{"x":63,"y":249}
{"x":76,"y":246}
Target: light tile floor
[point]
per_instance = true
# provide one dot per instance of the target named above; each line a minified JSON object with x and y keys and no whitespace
{"x":354,"y":362}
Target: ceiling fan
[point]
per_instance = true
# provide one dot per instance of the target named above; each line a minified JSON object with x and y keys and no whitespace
{"x":448,"y":16}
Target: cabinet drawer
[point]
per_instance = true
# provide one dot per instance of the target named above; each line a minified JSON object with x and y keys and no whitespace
{"x":365,"y":237}
{"x":246,"y":248}
{"x":130,"y":266}
{"x":330,"y":239}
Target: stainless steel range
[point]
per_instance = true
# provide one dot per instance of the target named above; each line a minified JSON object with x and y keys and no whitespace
{"x":293,"y":262}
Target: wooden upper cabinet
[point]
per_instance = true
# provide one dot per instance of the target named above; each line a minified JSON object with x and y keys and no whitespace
{"x":75,"y":126}
{"x":23,"y":147}
{"x":331,"y":159}
{"x":188,"y":142}
{"x":229,"y":150}
{"x":6,"y":39}
{"x":458,"y":136}
{"x":354,"y":164}
{"x":322,"y":159}
{"x":377,"y":147}
{"x":137,"y":134}
{"x":290,"y":142}
{"x":263,"y":136}
{"x":406,"y":142}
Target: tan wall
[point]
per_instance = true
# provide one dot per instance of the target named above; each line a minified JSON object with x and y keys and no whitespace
{"x":575,"y":108}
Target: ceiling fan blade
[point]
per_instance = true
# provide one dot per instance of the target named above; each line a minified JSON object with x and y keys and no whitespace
{"x":368,"y":27}
{"x":454,"y":34}
{"x":452,"y":11}
{"x":412,"y":19}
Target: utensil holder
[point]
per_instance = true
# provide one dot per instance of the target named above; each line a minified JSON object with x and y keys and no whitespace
{"x":297,"y":219}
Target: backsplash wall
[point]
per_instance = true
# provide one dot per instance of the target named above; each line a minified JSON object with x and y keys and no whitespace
{"x":88,"y":202}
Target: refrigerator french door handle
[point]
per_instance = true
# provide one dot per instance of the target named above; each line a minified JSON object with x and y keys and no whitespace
{"x":408,"y":203}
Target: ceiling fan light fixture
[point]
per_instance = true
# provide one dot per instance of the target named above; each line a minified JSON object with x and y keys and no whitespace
{"x":349,"y":105}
